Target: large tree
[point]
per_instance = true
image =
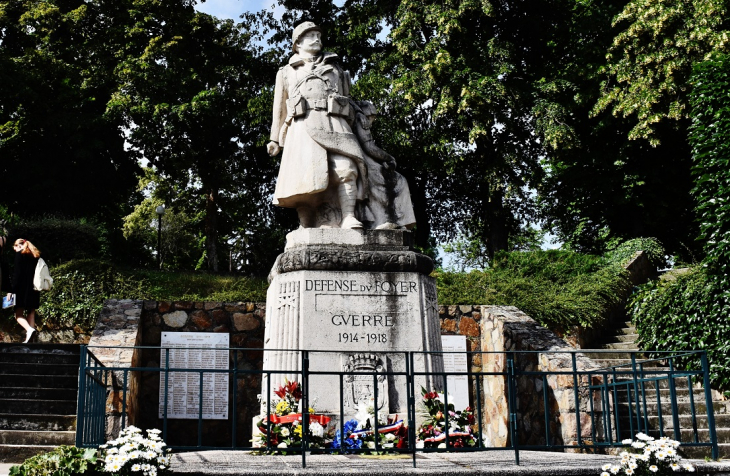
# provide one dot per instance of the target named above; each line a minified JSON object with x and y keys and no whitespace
{"x":193,"y":90}
{"x":620,"y":166}
{"x":60,"y":153}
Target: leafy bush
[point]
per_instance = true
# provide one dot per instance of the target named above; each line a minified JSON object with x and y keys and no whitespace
{"x":710,"y":140}
{"x":692,"y":312}
{"x":80,"y":288}
{"x":559,"y":289}
{"x":622,"y":253}
{"x":689,"y":313}
{"x":59,"y":239}
{"x":62,"y":461}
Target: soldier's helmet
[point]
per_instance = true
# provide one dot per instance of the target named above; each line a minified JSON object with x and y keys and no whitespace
{"x":300,"y":30}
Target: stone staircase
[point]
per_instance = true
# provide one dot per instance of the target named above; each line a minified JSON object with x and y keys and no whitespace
{"x":38,"y":387}
{"x":625,"y":340}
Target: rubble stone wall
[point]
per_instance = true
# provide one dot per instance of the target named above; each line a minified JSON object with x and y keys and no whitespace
{"x":505,"y":330}
{"x":128,"y":323}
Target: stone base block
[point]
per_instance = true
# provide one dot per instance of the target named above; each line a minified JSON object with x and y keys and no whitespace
{"x":352,"y":321}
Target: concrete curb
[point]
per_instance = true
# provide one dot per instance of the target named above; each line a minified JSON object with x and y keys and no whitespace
{"x":492,"y":463}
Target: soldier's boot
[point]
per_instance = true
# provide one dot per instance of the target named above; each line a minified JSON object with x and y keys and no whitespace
{"x":306,"y":217}
{"x":346,"y":192}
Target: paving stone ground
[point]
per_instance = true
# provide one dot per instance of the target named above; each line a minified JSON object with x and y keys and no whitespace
{"x":490,"y":463}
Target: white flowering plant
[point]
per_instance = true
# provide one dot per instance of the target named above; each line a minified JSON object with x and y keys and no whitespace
{"x":648,"y":457}
{"x":134,"y":455}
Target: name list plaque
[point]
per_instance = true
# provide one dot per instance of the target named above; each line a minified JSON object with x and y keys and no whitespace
{"x":195,"y":350}
{"x":458,"y":385}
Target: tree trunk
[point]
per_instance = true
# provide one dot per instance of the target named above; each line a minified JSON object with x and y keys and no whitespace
{"x":211,"y":228}
{"x":495,"y":219}
{"x":493,"y":214}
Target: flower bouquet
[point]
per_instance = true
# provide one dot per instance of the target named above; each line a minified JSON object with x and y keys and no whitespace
{"x":654,"y":457}
{"x":283,"y":428}
{"x":133,"y":454}
{"x":433,"y":432}
{"x":359,"y":433}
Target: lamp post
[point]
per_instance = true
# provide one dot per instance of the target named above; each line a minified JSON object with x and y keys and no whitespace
{"x":160,"y":211}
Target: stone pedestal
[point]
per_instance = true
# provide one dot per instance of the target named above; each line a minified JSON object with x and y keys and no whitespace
{"x":356,"y":301}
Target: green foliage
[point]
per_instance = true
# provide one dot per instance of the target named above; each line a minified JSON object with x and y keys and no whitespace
{"x":458,"y":72}
{"x":559,"y":289}
{"x":689,"y":313}
{"x":180,"y":246}
{"x":62,"y":461}
{"x":61,"y":154}
{"x":197,"y":70}
{"x":59,"y":239}
{"x":651,"y":60}
{"x":188,"y":286}
{"x":80,"y":288}
{"x":621,"y":253}
{"x":710,"y":139}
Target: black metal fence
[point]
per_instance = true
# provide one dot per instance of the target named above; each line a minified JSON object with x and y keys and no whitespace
{"x":597,"y":407}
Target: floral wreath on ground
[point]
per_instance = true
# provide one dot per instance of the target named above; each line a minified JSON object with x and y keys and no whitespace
{"x":283,"y":428}
{"x":654,"y":457}
{"x":433,"y":432}
{"x":360,"y":436}
{"x":132,"y":454}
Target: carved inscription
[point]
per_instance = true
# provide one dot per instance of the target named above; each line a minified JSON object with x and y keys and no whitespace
{"x":339,"y":285}
{"x":366,"y":311}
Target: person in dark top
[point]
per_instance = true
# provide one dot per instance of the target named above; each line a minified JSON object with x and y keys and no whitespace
{"x":27,"y":299}
{"x":4,"y":270}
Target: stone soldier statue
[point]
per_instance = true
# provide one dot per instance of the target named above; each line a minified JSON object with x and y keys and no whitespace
{"x":322,"y":173}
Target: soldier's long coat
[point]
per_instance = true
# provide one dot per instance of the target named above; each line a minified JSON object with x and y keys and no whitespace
{"x":306,"y":139}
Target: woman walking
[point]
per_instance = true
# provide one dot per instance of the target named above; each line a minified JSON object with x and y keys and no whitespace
{"x":27,"y":299}
{"x":4,"y":271}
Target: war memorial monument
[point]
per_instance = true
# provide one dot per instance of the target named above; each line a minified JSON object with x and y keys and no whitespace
{"x":349,"y":280}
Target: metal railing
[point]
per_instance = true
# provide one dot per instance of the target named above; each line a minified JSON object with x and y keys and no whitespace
{"x":614,"y":402}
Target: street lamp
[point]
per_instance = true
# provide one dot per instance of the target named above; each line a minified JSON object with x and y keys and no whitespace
{"x":160,"y":211}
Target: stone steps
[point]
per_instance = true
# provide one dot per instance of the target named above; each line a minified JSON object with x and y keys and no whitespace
{"x":20,"y":453}
{"x":38,"y":438}
{"x":38,"y":422}
{"x":38,"y":393}
{"x":38,"y":387}
{"x":625,"y":340}
{"x":39,"y":381}
{"x":38,"y":407}
{"x":27,"y":368}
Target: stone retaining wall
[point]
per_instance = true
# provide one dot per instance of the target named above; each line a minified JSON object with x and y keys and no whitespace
{"x":128,"y":323}
{"x":118,"y":327}
{"x":486,"y":328}
{"x":504,"y":329}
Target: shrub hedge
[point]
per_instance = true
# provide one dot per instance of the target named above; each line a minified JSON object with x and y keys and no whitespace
{"x":685,"y":314}
{"x":81,"y":286}
{"x":559,"y":289}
